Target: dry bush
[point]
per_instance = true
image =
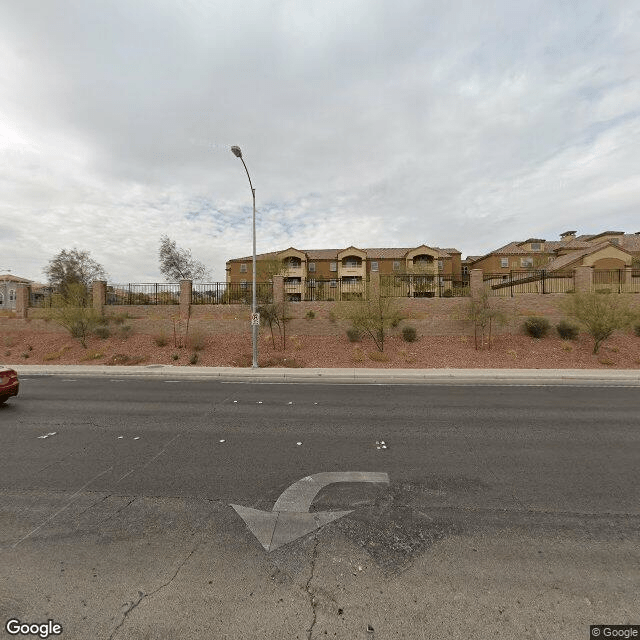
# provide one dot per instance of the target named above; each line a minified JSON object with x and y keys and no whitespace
{"x":378,"y":356}
{"x":197,"y":340}
{"x":93,"y":355}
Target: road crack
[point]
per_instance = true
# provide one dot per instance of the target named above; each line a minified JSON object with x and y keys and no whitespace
{"x":142,"y":595}
{"x":312,"y":600}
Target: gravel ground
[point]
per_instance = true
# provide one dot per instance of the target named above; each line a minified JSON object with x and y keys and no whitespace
{"x":621,"y":351}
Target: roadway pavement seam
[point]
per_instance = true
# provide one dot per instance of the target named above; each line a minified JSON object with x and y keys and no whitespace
{"x":143,"y":595}
{"x":312,"y":600}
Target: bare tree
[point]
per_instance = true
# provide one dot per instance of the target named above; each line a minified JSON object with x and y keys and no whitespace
{"x":178,"y":264}
{"x":73,"y":267}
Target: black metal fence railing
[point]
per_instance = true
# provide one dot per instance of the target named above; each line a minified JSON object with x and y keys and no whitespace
{"x":231,"y":293}
{"x":143,"y":294}
{"x":424,"y":286}
{"x":45,"y":298}
{"x":327,"y":290}
{"x":616,"y":280}
{"x":520,"y":282}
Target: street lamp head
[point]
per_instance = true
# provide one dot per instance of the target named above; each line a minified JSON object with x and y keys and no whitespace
{"x":236,"y":151}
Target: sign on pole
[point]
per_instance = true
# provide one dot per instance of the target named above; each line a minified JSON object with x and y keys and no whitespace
{"x":255,"y":319}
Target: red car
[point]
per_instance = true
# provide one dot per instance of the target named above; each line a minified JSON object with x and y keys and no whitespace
{"x":9,"y":384}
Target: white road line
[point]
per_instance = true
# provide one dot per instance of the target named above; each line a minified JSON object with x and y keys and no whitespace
{"x":150,"y":461}
{"x":66,"y":506}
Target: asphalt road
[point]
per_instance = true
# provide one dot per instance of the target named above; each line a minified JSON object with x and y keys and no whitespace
{"x":510,"y":511}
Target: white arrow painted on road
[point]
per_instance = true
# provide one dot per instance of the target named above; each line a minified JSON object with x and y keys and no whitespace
{"x":290,"y":518}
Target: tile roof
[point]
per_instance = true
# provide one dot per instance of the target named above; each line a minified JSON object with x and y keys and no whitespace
{"x":10,"y":278}
{"x":372,"y":254}
{"x":566,"y":259}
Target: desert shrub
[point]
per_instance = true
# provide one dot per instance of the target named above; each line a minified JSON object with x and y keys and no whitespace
{"x":354,"y":335}
{"x":378,"y":356}
{"x":29,"y":347}
{"x":409,"y":334}
{"x":193,"y":359}
{"x":72,"y":312}
{"x":161,"y":340}
{"x":567,"y":330}
{"x":25,"y":354}
{"x":125,"y":331}
{"x":536,"y":327}
{"x":123,"y":358}
{"x":119,"y":318}
{"x":332,"y":316}
{"x":102,"y":331}
{"x":197,"y":340}
{"x":93,"y":355}
{"x":599,"y":314}
{"x":310,"y":315}
{"x":636,"y":329}
{"x":447,"y":293}
{"x":9,"y":341}
{"x":174,"y":356}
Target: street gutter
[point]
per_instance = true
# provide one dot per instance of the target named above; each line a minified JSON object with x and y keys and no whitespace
{"x":617,"y":377}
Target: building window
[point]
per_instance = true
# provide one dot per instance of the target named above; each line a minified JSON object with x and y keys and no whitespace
{"x":504,"y":263}
{"x":465,"y":270}
{"x":440,"y":265}
{"x":311,"y":283}
{"x":374,"y":266}
{"x":536,"y":246}
{"x":312,"y":267}
{"x":243,"y":284}
{"x":352,"y":263}
{"x":12,"y":295}
{"x":243,"y":267}
{"x":333,"y":283}
{"x":526,"y":262}
{"x":333,"y":266}
{"x":396,"y":265}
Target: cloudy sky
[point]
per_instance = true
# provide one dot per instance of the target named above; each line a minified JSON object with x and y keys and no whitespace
{"x":368,"y":122}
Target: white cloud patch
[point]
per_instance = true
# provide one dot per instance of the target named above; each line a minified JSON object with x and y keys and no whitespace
{"x":373,"y":123}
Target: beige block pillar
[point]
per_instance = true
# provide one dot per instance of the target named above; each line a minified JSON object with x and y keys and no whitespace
{"x":99,"y":289}
{"x":583,"y":279}
{"x":278,"y":289}
{"x":476,"y":284}
{"x":186,"y":287}
{"x":23,"y":298}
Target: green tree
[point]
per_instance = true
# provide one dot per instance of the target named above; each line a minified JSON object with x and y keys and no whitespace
{"x":600,"y":314}
{"x":373,"y":315}
{"x":73,"y":267}
{"x":178,"y":264}
{"x":73,"y":311}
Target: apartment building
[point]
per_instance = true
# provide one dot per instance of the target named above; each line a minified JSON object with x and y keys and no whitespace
{"x":605,"y":250}
{"x":314,"y":273}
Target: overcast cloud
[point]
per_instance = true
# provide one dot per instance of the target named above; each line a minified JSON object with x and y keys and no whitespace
{"x":368,"y":122}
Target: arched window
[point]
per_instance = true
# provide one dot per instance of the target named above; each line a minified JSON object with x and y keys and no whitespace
{"x":12,"y":295}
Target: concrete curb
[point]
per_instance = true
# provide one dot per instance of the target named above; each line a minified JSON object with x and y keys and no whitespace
{"x":626,"y":377}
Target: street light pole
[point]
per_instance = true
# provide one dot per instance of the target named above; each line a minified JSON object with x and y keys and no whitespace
{"x":254,"y":327}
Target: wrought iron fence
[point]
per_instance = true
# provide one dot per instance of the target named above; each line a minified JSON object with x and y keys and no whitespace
{"x":48,"y":297}
{"x":328,"y":290}
{"x":616,"y":281}
{"x":143,"y":294}
{"x":424,"y":286}
{"x":231,"y":293}
{"x":520,"y":282}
